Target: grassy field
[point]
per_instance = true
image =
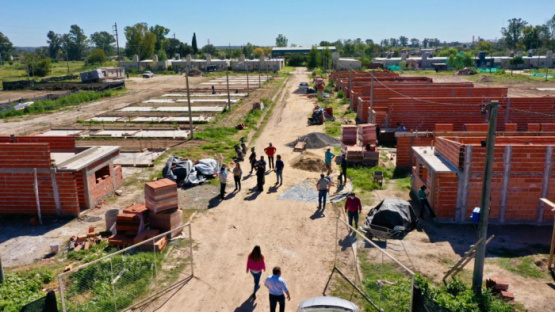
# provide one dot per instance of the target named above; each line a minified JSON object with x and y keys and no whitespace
{"x":17,"y":71}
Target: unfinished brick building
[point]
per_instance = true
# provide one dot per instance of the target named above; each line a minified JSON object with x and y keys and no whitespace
{"x":453,"y":170}
{"x":69,"y":178}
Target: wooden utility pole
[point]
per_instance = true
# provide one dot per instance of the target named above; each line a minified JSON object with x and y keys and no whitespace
{"x":1,"y":272}
{"x":259,"y":84}
{"x":189,"y":104}
{"x":228,"y":96}
{"x":37,"y":198}
{"x":248,"y":85}
{"x":485,"y":202}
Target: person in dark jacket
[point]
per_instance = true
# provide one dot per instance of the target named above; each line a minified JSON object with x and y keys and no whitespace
{"x":279,"y":170}
{"x":343,"y":165}
{"x":252,"y":160}
{"x":260,"y":174}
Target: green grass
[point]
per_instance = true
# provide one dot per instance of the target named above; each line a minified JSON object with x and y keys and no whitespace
{"x":363,"y":180}
{"x":73,"y":99}
{"x":19,"y":289}
{"x":404,"y":184}
{"x":523,"y":266}
{"x":17,"y":71}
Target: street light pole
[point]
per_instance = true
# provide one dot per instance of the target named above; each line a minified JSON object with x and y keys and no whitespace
{"x":189,"y":104}
{"x":248,"y":85}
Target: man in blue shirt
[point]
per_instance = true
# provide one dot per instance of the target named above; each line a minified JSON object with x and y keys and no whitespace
{"x":279,"y":170}
{"x":277,"y":288}
{"x":328,"y":158}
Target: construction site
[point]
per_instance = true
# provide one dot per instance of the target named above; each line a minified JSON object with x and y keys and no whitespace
{"x":102,"y":193}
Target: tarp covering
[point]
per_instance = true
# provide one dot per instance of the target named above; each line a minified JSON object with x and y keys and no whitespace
{"x":394,"y":214}
{"x":183,"y":171}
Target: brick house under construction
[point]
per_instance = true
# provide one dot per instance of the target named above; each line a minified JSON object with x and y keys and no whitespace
{"x":69,"y":178}
{"x":453,"y":170}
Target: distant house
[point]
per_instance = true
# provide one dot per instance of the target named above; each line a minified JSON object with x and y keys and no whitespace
{"x":283,"y":51}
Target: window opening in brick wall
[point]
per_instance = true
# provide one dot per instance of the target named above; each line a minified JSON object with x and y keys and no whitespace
{"x":101,"y":173}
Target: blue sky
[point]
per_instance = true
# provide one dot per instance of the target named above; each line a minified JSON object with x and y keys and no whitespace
{"x":303,"y":22}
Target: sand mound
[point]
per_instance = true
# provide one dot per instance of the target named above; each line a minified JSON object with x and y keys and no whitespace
{"x":317,"y":140}
{"x":309,"y":162}
{"x":485,"y":78}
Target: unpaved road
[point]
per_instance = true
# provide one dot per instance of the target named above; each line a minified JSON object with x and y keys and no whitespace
{"x":302,"y":246}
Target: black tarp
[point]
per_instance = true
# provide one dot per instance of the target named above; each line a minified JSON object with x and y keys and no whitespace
{"x":394,"y":214}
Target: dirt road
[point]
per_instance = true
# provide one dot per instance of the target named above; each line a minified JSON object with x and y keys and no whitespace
{"x":289,"y":237}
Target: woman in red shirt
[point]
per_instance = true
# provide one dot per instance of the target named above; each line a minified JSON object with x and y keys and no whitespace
{"x":255,"y":264}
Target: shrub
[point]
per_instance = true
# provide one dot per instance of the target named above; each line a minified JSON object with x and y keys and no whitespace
{"x":340,"y":94}
{"x":98,"y":56}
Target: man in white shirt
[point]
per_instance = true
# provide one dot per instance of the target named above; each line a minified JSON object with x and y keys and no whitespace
{"x":223,"y":181}
{"x":277,"y":288}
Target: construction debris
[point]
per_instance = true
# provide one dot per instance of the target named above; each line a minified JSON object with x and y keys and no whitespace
{"x":309,"y":162}
{"x":465,"y":72}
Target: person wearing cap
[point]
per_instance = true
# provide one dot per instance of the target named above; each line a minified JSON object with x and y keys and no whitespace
{"x":353,"y":208}
{"x":223,"y":181}
{"x":270,"y":151}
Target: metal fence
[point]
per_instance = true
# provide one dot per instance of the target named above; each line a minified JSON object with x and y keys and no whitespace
{"x":367,"y":274}
{"x":130,"y":276}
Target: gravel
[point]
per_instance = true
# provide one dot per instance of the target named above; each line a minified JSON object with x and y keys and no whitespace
{"x":317,"y":140}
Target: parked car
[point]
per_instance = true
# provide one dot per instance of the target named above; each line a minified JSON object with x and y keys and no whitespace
{"x":326,"y":304}
{"x":310,"y":90}
{"x":303,"y":85}
{"x":148,"y":74}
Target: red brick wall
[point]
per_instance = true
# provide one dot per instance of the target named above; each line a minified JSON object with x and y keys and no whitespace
{"x":450,"y":150}
{"x":105,"y":187}
{"x":444,"y":199}
{"x":404,"y":148}
{"x":57,"y":143}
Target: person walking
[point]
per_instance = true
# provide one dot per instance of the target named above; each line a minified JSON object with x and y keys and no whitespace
{"x":353,"y":208}
{"x":277,"y":288}
{"x":270,"y":152}
{"x":237,"y":174}
{"x":328,"y":157}
{"x":260,"y":174}
{"x":423,"y":198}
{"x":323,"y":186}
{"x":279,"y":170}
{"x":223,"y":181}
{"x":343,"y":166}
{"x":255,"y":264}
{"x":252,"y":159}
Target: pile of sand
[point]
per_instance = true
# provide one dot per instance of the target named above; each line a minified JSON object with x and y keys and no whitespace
{"x":317,"y":140}
{"x":309,"y":162}
{"x":485,"y":78}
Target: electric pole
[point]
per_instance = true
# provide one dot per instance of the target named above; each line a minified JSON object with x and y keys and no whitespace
{"x":372,"y":98}
{"x":189,"y":103}
{"x":117,"y":40}
{"x":259,"y":85}
{"x":485,"y":202}
{"x":1,"y":272}
{"x":248,"y":85}
{"x":228,"y":96}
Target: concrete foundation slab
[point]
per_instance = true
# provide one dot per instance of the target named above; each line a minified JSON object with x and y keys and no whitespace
{"x":62,"y":133}
{"x":162,"y":134}
{"x":138,"y":159}
{"x":147,"y":119}
{"x":104,"y":119}
{"x":114,"y":133}
{"x":173,"y":109}
{"x":217,"y":95}
{"x":186,"y":119}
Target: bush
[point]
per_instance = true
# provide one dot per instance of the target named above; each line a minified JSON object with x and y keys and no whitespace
{"x":98,"y":56}
{"x":296,"y":60}
{"x":19,"y":289}
{"x":340,"y":94}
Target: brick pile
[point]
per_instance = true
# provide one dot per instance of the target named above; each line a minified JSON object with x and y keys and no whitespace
{"x":499,"y":287}
{"x":161,"y":196}
{"x":348,"y":134}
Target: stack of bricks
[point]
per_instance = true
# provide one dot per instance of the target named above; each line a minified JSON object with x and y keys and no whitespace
{"x":161,"y":199}
{"x":500,"y":287}
{"x":348,"y":135}
{"x":367,"y":138}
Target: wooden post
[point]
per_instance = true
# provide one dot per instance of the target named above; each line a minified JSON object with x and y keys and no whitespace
{"x":36,"y":186}
{"x":1,"y":272}
{"x":552,"y":249}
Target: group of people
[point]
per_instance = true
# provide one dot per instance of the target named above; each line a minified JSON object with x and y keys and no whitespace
{"x":275,"y":283}
{"x":258,"y":165}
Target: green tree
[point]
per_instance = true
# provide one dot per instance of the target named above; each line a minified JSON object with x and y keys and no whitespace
{"x":460,"y":60}
{"x":313,"y":58}
{"x":36,"y":64}
{"x":54,"y":44}
{"x":6,"y":47}
{"x":296,"y":60}
{"x":194,"y":44}
{"x":515,"y":61}
{"x":550,"y":25}
{"x":281,"y":41}
{"x":248,"y":50}
{"x":140,"y":41}
{"x":104,"y":40}
{"x":513,"y":33}
{"x":160,"y":32}
{"x":393,"y":42}
{"x":326,"y":58}
{"x":403,"y":41}
{"x":210,"y":49}
{"x":162,"y":56}
{"x":485,"y":46}
{"x":415,"y":43}
{"x":76,"y":43}
{"x":97,"y":56}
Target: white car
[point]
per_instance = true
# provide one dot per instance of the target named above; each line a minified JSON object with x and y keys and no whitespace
{"x":326,"y":304}
{"x":303,"y":85}
{"x":148,"y":74}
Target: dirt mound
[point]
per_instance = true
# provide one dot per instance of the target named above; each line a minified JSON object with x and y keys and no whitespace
{"x":195,"y":73}
{"x":466,"y":72}
{"x":485,"y":79}
{"x":317,"y":140}
{"x":309,"y":162}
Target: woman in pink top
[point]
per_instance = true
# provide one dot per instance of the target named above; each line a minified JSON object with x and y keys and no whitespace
{"x":255,"y":264}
